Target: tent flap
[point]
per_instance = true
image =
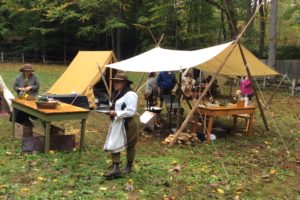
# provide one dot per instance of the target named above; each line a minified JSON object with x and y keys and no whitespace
{"x":208,"y":59}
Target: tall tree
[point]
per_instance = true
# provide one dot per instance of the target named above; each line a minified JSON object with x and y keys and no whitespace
{"x":272,"y":34}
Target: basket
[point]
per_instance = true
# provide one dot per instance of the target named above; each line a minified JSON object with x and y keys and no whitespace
{"x":46,"y":105}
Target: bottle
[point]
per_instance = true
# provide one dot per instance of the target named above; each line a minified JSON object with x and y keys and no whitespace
{"x":246,"y":101}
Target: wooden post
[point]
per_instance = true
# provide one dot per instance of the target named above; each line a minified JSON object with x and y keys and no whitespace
{"x":2,"y":56}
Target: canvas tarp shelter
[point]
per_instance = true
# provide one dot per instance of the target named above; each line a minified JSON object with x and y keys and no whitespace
{"x":7,"y":95}
{"x":207,"y":59}
{"x":83,"y":73}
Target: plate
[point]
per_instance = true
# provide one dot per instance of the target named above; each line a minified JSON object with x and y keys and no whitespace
{"x":102,"y":111}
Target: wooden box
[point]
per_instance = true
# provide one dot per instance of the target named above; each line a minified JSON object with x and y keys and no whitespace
{"x":22,"y":130}
{"x":57,"y":143}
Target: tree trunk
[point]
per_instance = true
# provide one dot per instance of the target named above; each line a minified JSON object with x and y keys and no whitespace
{"x":119,"y":35}
{"x":232,"y":21}
{"x":262,"y":31}
{"x":273,"y":35}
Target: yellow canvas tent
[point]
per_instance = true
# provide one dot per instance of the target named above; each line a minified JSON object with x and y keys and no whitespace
{"x":83,"y":73}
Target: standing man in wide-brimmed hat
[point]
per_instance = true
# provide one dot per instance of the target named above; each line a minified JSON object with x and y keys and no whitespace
{"x":123,"y":132}
{"x":27,"y":82}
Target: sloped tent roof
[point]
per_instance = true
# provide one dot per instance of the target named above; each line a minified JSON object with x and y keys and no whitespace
{"x":207,"y":59}
{"x":6,"y":94}
{"x":83,"y":73}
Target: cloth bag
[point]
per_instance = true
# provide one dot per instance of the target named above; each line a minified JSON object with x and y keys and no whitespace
{"x":116,"y":140}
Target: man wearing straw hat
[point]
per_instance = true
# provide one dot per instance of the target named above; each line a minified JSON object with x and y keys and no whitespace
{"x":27,"y":82}
{"x":123,"y":132}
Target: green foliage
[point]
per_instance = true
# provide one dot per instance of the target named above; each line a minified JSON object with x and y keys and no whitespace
{"x":57,"y":27}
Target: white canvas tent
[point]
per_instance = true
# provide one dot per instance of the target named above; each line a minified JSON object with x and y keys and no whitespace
{"x":207,"y":59}
{"x":7,"y":95}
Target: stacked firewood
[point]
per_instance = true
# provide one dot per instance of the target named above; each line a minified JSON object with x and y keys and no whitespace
{"x":184,"y":138}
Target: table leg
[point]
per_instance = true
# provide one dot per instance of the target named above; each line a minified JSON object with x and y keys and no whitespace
{"x":82,"y":133}
{"x":250,"y":125}
{"x":195,"y":125}
{"x":209,"y":128}
{"x":204,"y":124}
{"x":234,"y":123}
{"x":47,"y":137}
{"x":13,"y":120}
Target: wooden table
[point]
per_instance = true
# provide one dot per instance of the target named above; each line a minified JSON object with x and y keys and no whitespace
{"x":211,"y":112}
{"x":62,"y":112}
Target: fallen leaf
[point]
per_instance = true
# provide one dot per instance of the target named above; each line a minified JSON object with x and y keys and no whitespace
{"x":24,"y":190}
{"x":40,"y":178}
{"x":220,"y":191}
{"x":177,"y":168}
{"x":236,"y":197}
{"x":8,"y":153}
{"x":3,"y":186}
{"x":273,"y":171}
{"x":190,"y":188}
{"x":103,"y":188}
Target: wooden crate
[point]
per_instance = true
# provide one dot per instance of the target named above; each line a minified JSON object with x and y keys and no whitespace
{"x":57,"y":143}
{"x":22,"y":130}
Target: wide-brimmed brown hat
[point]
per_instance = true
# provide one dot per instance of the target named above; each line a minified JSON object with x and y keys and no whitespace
{"x":121,"y":76}
{"x":27,"y":67}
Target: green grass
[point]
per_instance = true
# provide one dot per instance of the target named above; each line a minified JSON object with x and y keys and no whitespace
{"x":72,"y":175}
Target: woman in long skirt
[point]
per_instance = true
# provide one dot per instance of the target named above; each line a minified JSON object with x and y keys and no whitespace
{"x":123,"y":132}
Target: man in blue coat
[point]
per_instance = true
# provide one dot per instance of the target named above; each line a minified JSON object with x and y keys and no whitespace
{"x":166,"y":81}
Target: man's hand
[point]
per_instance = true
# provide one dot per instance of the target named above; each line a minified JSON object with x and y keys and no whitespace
{"x":27,"y":88}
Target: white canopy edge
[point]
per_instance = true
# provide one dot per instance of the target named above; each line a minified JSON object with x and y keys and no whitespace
{"x":159,"y":59}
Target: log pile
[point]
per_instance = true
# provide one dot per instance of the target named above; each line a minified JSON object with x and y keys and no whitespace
{"x":184,"y":138}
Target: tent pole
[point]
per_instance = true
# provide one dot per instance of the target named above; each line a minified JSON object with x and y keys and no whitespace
{"x":189,"y":116}
{"x":246,"y":64}
{"x":179,"y":97}
{"x":275,"y":92}
{"x":187,"y":119}
{"x":104,"y":80}
{"x":254,"y":89}
{"x":140,"y":81}
{"x":110,"y":83}
{"x":185,"y":97}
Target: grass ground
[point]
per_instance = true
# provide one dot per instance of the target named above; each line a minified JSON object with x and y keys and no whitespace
{"x":257,"y":167}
